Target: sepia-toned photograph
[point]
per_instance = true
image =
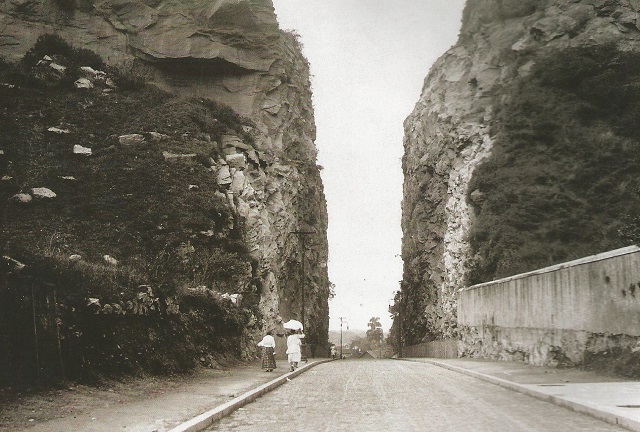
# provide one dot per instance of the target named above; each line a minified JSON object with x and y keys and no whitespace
{"x":319,"y":215}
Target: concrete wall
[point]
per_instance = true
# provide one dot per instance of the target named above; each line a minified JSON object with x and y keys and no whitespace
{"x":550,"y":315}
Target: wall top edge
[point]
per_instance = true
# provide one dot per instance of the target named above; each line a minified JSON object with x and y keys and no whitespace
{"x":580,"y":261}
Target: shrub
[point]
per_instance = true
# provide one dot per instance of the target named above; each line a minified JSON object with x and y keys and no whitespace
{"x":47,"y":44}
{"x":62,"y":53}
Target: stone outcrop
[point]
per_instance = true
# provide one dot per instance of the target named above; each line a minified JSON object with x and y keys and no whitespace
{"x":231,"y":51}
{"x":228,"y":50}
{"x":449,"y":133}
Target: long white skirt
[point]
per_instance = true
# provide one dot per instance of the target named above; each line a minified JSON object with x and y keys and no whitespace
{"x":294,"y":357}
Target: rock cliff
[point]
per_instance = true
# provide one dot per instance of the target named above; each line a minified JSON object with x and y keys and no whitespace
{"x":231,"y":52}
{"x":497,"y":141}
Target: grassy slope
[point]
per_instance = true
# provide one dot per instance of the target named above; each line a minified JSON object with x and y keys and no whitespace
{"x":562,"y":182}
{"x":125,"y":201}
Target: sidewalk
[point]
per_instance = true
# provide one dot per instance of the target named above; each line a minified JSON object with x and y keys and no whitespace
{"x":614,"y":400}
{"x":151,"y":405}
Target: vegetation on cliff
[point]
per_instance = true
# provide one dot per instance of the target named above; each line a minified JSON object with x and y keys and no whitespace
{"x":562,"y":181}
{"x":148,"y":201}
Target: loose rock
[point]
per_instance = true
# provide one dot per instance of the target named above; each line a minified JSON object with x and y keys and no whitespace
{"x":85,"y":151}
{"x":22,"y":198}
{"x":43,"y":193}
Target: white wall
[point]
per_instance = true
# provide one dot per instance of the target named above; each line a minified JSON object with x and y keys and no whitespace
{"x":597,"y":294}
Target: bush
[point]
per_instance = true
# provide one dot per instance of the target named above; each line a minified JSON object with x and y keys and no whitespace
{"x":47,"y":44}
{"x":63,"y":54}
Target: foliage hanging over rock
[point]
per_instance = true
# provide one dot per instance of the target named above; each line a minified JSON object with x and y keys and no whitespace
{"x":562,"y":182}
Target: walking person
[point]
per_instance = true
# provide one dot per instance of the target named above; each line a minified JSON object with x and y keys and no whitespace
{"x":268,"y":344}
{"x":294,"y":353}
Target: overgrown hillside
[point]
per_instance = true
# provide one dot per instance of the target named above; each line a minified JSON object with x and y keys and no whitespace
{"x":232,"y":52}
{"x":562,"y":180}
{"x":131,"y":255}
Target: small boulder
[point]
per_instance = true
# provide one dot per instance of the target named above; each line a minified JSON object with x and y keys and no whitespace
{"x":108,"y":259}
{"x":80,"y":150}
{"x":97,"y":74}
{"x":234,"y":298}
{"x":22,"y":198}
{"x":57,"y":67}
{"x":75,"y":258}
{"x":43,"y":193}
{"x":83,"y":83}
{"x":58,"y":131}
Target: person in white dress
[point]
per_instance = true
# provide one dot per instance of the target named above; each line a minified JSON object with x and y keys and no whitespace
{"x":294,"y":353}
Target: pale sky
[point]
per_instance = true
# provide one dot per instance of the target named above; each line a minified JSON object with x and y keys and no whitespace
{"x":368,"y":59}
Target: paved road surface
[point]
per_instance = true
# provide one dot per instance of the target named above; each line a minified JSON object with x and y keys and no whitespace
{"x":389,"y":395}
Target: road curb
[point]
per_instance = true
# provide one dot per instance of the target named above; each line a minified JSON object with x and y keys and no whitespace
{"x":582,"y":408}
{"x":206,"y":419}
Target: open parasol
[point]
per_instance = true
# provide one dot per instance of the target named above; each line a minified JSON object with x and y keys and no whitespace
{"x":292,"y":325}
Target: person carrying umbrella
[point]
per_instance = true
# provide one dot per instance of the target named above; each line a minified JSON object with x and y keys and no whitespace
{"x":268,"y":345}
{"x":294,"y":353}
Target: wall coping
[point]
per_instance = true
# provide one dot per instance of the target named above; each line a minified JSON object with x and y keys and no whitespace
{"x":592,"y":258}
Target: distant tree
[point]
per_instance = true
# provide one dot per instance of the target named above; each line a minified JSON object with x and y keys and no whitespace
{"x":374,"y":323}
{"x":375,"y":330}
